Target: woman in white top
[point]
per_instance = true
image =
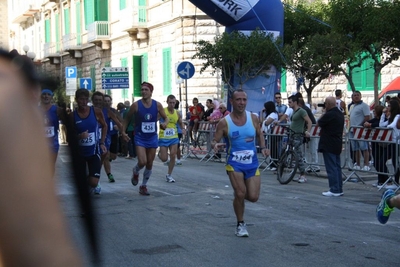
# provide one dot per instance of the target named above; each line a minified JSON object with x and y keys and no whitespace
{"x":272,"y":142}
{"x":390,"y":119}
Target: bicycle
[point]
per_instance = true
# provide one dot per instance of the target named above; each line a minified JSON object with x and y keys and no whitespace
{"x":288,"y":161}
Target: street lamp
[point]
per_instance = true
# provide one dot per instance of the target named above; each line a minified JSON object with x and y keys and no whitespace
{"x":28,"y":53}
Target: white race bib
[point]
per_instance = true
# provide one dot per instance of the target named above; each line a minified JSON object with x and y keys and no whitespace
{"x":89,"y":141}
{"x":49,"y":131}
{"x":244,"y":156}
{"x":148,"y":127}
{"x":169,"y":132}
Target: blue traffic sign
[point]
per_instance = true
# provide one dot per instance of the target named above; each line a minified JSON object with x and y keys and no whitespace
{"x":115,"y":85}
{"x":70,"y":72}
{"x":85,"y":83}
{"x":185,"y":70}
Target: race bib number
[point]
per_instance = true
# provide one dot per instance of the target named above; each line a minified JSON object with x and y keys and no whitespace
{"x":148,"y":127}
{"x":49,"y":131}
{"x":243,"y":157}
{"x":169,"y":132}
{"x":89,"y":141}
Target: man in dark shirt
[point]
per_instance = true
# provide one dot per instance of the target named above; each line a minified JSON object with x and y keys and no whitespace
{"x":330,"y":144}
{"x":210,"y":109}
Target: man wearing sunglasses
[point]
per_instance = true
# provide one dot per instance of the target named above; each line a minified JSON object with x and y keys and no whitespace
{"x":280,"y":108}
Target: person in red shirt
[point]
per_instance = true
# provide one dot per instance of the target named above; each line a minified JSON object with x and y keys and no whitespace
{"x":195,"y":114}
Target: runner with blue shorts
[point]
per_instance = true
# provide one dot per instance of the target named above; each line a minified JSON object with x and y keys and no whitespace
{"x":146,"y":112}
{"x":241,"y":129}
{"x":168,"y":138}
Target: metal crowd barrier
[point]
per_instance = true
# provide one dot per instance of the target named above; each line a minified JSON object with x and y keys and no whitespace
{"x":380,"y":146}
{"x":273,"y":141}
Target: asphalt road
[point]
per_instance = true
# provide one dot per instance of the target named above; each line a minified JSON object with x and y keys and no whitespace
{"x":192,"y":223}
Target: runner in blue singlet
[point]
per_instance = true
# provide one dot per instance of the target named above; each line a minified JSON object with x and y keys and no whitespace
{"x":240,"y":129}
{"x":146,"y":111}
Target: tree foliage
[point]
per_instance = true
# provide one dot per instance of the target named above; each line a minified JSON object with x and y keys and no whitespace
{"x":237,"y":53}
{"x":373,"y":26}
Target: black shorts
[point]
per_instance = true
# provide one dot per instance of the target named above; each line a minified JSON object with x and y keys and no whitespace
{"x":94,"y":165}
{"x":114,"y":144}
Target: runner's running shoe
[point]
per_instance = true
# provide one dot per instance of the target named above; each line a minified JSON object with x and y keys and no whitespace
{"x":241,"y":230}
{"x":383,"y":210}
{"x":143,"y":190}
{"x":135,"y":178}
{"x":111,"y":178}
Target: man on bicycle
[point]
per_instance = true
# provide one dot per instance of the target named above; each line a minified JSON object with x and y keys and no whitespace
{"x":297,"y":125}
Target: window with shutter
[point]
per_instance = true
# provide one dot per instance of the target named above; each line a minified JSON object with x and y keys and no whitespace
{"x":67,"y":23}
{"x":137,"y":75}
{"x":167,"y":71}
{"x":47,"y":31}
{"x":88,"y":6}
{"x":124,"y":92}
{"x":78,"y":23}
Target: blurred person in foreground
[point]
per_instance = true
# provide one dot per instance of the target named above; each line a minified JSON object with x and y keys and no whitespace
{"x":33,"y":231}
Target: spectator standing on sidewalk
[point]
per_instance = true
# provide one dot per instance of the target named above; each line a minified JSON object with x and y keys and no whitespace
{"x":313,"y":143}
{"x":240,"y":130}
{"x":145,"y":111}
{"x":280,"y":108}
{"x":330,"y":145}
{"x":299,"y":122}
{"x":359,"y":114}
{"x":379,"y":151}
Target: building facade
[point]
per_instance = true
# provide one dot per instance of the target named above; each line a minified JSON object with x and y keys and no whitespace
{"x":149,"y":37}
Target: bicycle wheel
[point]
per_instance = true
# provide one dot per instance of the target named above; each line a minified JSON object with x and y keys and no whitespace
{"x":287,"y":167}
{"x":184,"y":146}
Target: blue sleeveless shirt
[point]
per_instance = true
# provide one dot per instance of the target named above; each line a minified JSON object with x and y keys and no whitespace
{"x":52,"y":125}
{"x":107,"y":140}
{"x":89,"y":146}
{"x":111,"y":124}
{"x":146,"y":120}
{"x":241,"y":143}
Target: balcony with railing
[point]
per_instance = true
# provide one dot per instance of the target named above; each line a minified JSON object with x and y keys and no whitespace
{"x":133,"y":19}
{"x":72,"y":43}
{"x":98,"y":31}
{"x":52,"y":51}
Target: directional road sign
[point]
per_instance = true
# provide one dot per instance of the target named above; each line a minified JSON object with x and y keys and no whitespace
{"x":85,"y":83}
{"x":115,"y":77}
{"x":185,"y":70}
{"x":70,"y":80}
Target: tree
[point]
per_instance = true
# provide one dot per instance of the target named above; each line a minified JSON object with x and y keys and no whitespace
{"x":373,"y":28}
{"x":237,"y":53}
{"x":310,"y":47}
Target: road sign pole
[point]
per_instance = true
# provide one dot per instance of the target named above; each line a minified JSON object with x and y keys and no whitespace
{"x":186,"y":92}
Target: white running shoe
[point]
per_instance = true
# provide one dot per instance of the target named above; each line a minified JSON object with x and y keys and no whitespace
{"x":241,"y":230}
{"x":169,"y":179}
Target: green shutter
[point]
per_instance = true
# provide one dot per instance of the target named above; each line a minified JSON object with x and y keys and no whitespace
{"x":101,"y":10}
{"x":124,"y":92}
{"x":78,"y":23}
{"x":363,"y":77}
{"x":67,"y":24}
{"x":47,"y":31}
{"x":89,"y":12}
{"x":93,"y":76}
{"x":144,"y":67}
{"x":167,"y":71}
{"x":142,"y":11}
{"x":79,"y":73}
{"x":137,"y":75}
{"x":58,"y":37}
{"x":283,"y":81}
{"x":122,"y":4}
